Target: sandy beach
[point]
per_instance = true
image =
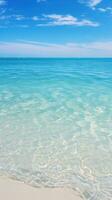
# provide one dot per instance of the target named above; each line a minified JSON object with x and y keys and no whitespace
{"x":11,"y":190}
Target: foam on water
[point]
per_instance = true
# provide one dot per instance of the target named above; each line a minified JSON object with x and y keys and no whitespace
{"x":56,"y":123}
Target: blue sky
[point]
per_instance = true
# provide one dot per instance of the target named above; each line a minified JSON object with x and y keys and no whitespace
{"x":56,"y":28}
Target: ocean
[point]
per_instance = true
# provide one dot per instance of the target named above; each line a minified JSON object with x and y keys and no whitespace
{"x":56,"y":123}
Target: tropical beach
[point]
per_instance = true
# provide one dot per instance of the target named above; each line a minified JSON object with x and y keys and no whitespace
{"x":55,"y":100}
{"x":10,"y":189}
{"x":57,"y":127}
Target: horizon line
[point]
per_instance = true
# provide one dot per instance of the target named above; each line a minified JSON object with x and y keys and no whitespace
{"x":28,"y":57}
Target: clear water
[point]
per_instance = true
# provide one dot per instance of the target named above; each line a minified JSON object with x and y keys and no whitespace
{"x":56,"y":123}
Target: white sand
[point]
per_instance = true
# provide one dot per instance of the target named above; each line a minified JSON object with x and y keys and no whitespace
{"x":14,"y":190}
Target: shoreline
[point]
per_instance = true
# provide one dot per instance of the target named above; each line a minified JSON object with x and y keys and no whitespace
{"x":11,"y":189}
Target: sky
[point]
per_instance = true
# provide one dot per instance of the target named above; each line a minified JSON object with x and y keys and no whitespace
{"x":55,"y":28}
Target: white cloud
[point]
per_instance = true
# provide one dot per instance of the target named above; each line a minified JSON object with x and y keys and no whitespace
{"x":2,"y":2}
{"x":94,"y":3}
{"x":102,"y":9}
{"x":2,"y":11}
{"x":35,"y":18}
{"x":18,"y":17}
{"x":91,"y":3}
{"x":51,"y":20}
{"x":12,"y":17}
{"x":66,"y":20}
{"x":106,"y":9}
{"x":37,"y":49}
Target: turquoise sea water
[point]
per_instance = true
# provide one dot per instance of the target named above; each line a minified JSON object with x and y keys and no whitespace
{"x":56,"y":123}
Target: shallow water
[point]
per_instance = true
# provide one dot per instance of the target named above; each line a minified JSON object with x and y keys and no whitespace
{"x":56,"y":123}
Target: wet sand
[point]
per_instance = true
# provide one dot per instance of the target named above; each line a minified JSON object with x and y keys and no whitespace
{"x":11,"y":190}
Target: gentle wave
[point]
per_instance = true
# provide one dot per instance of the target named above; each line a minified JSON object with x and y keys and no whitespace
{"x":56,"y":123}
